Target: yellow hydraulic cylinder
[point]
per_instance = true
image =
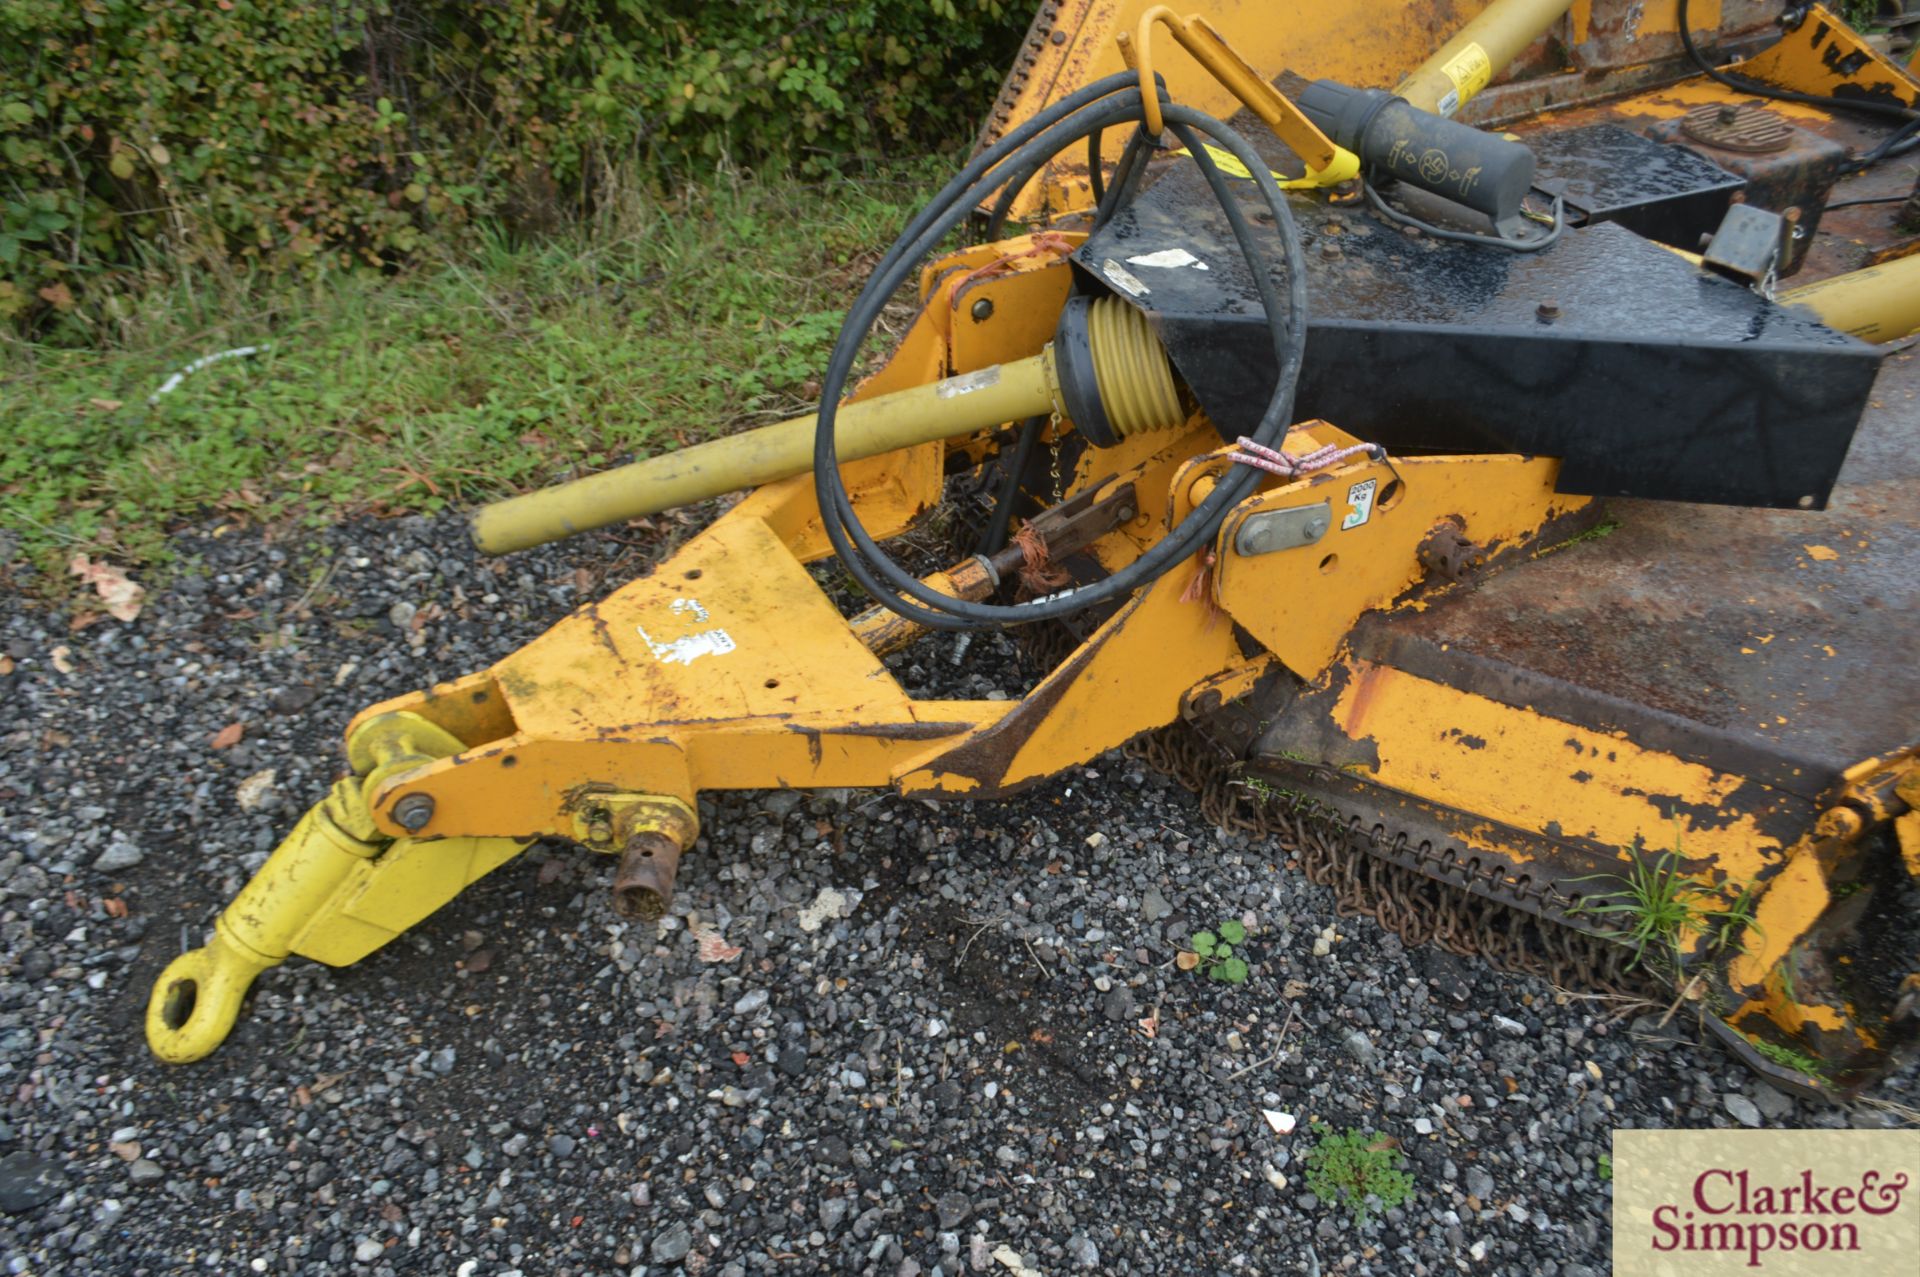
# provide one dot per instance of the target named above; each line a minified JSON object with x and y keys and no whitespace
{"x":1878,"y":304}
{"x":1468,"y":62}
{"x":956,"y":406}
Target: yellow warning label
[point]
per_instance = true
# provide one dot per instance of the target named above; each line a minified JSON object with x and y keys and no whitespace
{"x":1469,"y":70}
{"x":1227,"y":162}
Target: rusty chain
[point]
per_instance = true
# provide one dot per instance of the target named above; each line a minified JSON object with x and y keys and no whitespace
{"x":1346,"y":857}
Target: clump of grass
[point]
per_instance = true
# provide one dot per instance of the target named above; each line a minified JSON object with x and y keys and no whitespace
{"x":1660,"y":907}
{"x":477,"y":371}
{"x":1353,"y":1167}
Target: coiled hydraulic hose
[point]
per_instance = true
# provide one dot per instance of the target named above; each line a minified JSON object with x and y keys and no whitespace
{"x":1107,"y":103}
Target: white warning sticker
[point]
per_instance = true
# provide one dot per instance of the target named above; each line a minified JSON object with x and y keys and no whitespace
{"x":1168,"y":257}
{"x":1123,"y":279}
{"x":688,"y":648}
{"x":966,"y":383}
{"x":1360,"y":497}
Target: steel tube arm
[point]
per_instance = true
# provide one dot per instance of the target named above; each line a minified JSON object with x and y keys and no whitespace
{"x":942,"y":410}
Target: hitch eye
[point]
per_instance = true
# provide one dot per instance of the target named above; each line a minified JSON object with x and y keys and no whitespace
{"x":182,"y":995}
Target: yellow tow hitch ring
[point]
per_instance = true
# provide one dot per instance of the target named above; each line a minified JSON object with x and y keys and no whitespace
{"x":197,"y":998}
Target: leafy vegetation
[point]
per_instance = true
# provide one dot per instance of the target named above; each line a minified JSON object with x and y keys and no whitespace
{"x":470,"y":374}
{"x":1214,"y":951}
{"x":301,"y":138}
{"x":1605,"y":1166}
{"x":1350,"y":1167}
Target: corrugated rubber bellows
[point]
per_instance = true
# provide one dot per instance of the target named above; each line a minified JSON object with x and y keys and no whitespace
{"x":1114,"y":377}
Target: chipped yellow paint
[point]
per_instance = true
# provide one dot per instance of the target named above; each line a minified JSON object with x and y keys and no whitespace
{"x":1678,"y":99}
{"x":1824,"y":553}
{"x":1544,"y":775}
{"x":1792,"y":903}
{"x":1807,"y":59}
{"x":724,"y":668}
{"x":1379,"y":515}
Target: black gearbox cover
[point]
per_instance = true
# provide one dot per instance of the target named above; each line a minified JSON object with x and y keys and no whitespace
{"x":1646,"y":376}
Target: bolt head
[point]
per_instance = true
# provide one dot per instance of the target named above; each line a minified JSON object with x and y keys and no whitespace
{"x":414,"y":812}
{"x":982,"y":310}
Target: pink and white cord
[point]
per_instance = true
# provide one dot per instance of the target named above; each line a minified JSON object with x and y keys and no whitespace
{"x":1288,"y":466}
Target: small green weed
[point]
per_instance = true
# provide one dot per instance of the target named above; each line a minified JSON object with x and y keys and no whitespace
{"x":1787,"y":1057}
{"x":1215,"y":950}
{"x":1605,"y":1167}
{"x":1352,"y":1166}
{"x":1604,"y":528}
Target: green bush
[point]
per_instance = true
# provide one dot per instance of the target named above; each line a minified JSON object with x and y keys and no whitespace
{"x":289,"y":134}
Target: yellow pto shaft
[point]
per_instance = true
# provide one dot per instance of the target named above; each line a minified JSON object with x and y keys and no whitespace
{"x":1106,"y":371}
{"x":1465,"y":64}
{"x":1878,"y":304}
{"x":956,"y":406}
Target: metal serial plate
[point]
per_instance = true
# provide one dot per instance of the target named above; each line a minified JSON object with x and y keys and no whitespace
{"x":1282,"y":529}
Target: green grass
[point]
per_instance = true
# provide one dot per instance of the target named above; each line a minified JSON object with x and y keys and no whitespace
{"x":1799,"y":1061}
{"x":1657,"y":907}
{"x":468,"y":375}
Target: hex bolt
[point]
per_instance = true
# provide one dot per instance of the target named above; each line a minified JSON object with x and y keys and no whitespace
{"x":982,"y":310}
{"x":413,"y":812}
{"x":1548,"y":309}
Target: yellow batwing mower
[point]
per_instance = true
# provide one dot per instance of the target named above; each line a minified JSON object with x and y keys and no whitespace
{"x":1288,"y":436}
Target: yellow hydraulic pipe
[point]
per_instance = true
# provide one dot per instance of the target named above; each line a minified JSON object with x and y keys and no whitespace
{"x":1878,"y":304}
{"x":956,"y":406}
{"x":1481,"y":50}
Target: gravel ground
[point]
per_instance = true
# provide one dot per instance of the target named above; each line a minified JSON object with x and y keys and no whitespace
{"x":952,"y":1039}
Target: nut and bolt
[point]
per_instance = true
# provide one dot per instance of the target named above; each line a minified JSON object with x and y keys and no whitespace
{"x":413,"y":812}
{"x":982,"y":310}
{"x":1329,"y":249}
{"x":1548,"y":309}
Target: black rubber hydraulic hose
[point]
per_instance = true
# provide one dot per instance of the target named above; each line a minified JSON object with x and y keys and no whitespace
{"x":1104,"y":104}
